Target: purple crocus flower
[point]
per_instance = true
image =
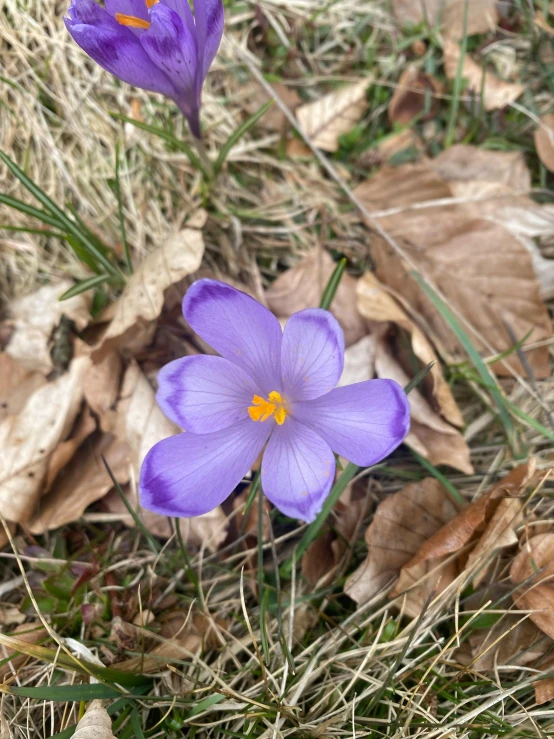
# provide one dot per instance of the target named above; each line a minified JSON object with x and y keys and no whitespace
{"x":154,"y":44}
{"x":269,"y":388}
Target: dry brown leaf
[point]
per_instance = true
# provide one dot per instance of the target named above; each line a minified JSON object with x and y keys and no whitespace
{"x":17,"y":384}
{"x":376,"y":304}
{"x":496,"y":93}
{"x":534,"y":566}
{"x":28,"y":440}
{"x":140,"y":423}
{"x":142,"y":299}
{"x":403,"y":141}
{"x":301,"y":287}
{"x":485,"y":272}
{"x":472,"y":520}
{"x":274,"y":119}
{"x":183,"y":633}
{"x":30,"y":633}
{"x":482,"y":15}
{"x":544,"y":141}
{"x":410,"y":97}
{"x":513,"y":640}
{"x":83,"y":481}
{"x":465,"y":163}
{"x":95,"y":724}
{"x":333,"y":115}
{"x":36,"y":316}
{"x":544,"y":689}
{"x":401,"y":524}
{"x":84,"y":426}
{"x":432,"y":568}
{"x":498,"y":534}
{"x":101,"y":388}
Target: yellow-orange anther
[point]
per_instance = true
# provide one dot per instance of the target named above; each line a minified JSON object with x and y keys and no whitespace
{"x":262,"y":409}
{"x":150,"y":3}
{"x":131,"y":20}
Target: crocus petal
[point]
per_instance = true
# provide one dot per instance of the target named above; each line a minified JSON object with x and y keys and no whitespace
{"x":114,"y":47}
{"x":362,"y":422}
{"x":171,"y":46}
{"x":138,"y":8}
{"x":312,"y":354}
{"x":298,"y":469}
{"x":190,"y":474}
{"x":209,"y":29}
{"x":182,"y":8}
{"x":203,"y":394}
{"x":237,"y":327}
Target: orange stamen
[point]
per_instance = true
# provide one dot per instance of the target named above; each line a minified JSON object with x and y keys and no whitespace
{"x":262,"y":409}
{"x":131,"y":20}
{"x":150,"y":3}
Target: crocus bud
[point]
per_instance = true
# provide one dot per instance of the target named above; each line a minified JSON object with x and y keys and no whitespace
{"x":159,"y":45}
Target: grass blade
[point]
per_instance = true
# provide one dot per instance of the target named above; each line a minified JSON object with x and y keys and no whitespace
{"x":64,"y":222}
{"x":85,"y":692}
{"x":126,"y":249}
{"x":84,"y":285}
{"x":237,"y":135}
{"x":30,"y":210}
{"x":333,"y":284}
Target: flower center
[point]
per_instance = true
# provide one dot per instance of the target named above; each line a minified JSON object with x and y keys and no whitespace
{"x":132,"y":21}
{"x":262,"y":409}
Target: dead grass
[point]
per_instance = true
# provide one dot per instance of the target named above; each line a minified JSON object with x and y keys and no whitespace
{"x":353,"y":672}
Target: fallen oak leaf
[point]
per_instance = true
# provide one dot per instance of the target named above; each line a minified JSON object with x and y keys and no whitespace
{"x":325,"y":120}
{"x":401,"y":524}
{"x":142,"y":299}
{"x":496,"y":93}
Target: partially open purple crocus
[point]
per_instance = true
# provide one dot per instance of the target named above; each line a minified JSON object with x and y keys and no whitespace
{"x":272,"y":387}
{"x":154,"y":44}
